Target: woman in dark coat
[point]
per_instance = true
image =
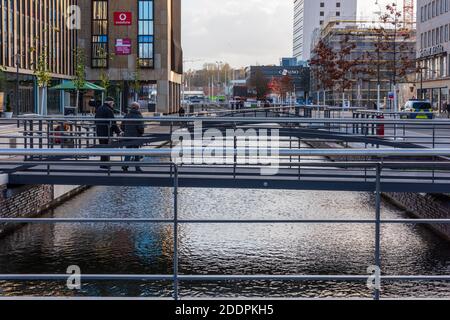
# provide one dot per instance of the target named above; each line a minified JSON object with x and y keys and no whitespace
{"x":133,"y":129}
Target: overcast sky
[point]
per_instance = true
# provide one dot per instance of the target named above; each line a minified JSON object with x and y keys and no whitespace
{"x":241,"y":32}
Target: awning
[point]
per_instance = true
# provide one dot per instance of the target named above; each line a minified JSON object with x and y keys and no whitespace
{"x":70,"y":85}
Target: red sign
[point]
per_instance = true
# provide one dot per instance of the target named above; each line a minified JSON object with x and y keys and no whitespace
{"x":123,"y":47}
{"x":122,"y":18}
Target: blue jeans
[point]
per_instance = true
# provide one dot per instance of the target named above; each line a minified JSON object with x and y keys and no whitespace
{"x":132,"y":158}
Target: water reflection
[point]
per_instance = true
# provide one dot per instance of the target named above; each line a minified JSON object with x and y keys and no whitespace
{"x":223,"y":249}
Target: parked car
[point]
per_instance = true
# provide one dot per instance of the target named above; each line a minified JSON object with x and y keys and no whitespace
{"x":418,"y":109}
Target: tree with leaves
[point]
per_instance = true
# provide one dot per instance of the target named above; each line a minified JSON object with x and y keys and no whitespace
{"x":323,"y":67}
{"x":79,"y":80}
{"x":260,"y":83}
{"x":333,"y":68}
{"x":395,"y":46}
{"x":43,"y":78}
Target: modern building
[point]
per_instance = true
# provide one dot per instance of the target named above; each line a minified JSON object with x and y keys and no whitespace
{"x":312,"y":14}
{"x":30,"y":30}
{"x":433,"y":51}
{"x":288,"y":62}
{"x":300,"y":76}
{"x":375,"y":67}
{"x":136,"y":47}
{"x":131,"y":47}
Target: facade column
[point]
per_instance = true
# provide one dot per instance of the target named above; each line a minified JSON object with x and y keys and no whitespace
{"x":163,"y":88}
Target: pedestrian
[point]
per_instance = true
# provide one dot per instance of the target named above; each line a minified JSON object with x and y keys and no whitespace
{"x":133,"y":129}
{"x":107,"y":127}
{"x":448,"y":109}
{"x":181,"y":112}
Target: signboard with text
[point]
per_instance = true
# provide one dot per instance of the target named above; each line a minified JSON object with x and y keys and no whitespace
{"x":123,"y":47}
{"x":123,"y":18}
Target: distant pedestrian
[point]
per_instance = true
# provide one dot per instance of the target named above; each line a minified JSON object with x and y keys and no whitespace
{"x":107,"y":127}
{"x":133,"y":129}
{"x":448,"y":109}
{"x":181,"y":112}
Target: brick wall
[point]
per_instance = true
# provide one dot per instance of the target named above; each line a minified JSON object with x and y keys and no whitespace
{"x":23,"y":203}
{"x":425,"y":206}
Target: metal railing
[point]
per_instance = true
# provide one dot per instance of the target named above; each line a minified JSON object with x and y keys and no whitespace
{"x":38,"y":132}
{"x":176,"y":222}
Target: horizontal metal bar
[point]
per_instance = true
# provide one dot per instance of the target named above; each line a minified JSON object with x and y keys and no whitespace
{"x":437,"y":152}
{"x":219,"y":221}
{"x":230,"y":119}
{"x":144,"y":277}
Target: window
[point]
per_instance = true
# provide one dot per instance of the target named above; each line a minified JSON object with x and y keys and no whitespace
{"x":338,"y":4}
{"x":322,"y":4}
{"x":99,"y":48}
{"x":145,"y":34}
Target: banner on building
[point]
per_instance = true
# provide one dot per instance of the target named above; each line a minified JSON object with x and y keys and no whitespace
{"x":123,"y":47}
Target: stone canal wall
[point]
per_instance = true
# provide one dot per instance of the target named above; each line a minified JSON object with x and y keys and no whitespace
{"x":30,"y":201}
{"x":421,"y":206}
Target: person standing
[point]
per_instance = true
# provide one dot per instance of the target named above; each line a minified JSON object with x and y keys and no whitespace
{"x":133,"y":129}
{"x":106,"y":128}
{"x":182,"y":112}
{"x":448,"y":109}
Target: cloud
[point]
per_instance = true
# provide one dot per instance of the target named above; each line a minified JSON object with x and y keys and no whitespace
{"x":235,"y":31}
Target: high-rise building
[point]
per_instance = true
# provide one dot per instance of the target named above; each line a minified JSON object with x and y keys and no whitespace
{"x":312,"y":14}
{"x":433,"y":51}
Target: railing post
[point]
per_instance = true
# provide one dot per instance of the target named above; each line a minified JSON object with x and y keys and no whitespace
{"x":175,"y":233}
{"x":378,"y":228}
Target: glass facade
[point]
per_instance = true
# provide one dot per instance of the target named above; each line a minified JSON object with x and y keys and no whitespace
{"x":99,"y":34}
{"x":145,"y":33}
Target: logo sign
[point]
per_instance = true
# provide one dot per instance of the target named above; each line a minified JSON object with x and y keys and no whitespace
{"x":122,"y":18}
{"x":391,"y":96}
{"x":432,"y":51}
{"x":123,"y":47}
{"x":286,"y":72}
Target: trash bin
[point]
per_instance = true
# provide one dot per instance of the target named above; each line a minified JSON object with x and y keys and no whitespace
{"x":380,"y":126}
{"x":152,"y":107}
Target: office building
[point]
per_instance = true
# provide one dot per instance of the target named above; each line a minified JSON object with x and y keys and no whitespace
{"x":433,"y":51}
{"x":310,"y":15}
{"x":131,"y":47}
{"x":372,"y":68}
{"x":31,"y":29}
{"x":136,"y":46}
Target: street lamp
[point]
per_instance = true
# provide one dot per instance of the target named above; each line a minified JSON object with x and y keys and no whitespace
{"x":17,"y":62}
{"x":378,"y":62}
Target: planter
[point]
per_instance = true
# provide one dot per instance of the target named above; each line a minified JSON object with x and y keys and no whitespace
{"x":8,"y":115}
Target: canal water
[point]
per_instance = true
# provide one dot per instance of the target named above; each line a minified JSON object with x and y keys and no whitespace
{"x":223,"y":249}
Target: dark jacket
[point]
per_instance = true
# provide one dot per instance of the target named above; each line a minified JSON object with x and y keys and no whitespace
{"x":106,"y":128}
{"x":133,"y":128}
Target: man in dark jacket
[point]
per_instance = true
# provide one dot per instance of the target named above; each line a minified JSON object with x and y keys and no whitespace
{"x":106,"y":129}
{"x":448,"y":109}
{"x":133,"y":129}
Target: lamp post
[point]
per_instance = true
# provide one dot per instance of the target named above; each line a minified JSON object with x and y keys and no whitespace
{"x":17,"y":62}
{"x":378,"y":61}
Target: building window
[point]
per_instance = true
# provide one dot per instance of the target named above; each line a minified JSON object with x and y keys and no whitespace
{"x":145,"y":34}
{"x":99,"y":34}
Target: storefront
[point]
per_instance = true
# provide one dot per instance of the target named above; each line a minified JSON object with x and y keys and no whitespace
{"x":435,"y":77}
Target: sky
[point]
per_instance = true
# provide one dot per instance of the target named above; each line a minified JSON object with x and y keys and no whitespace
{"x":241,"y":32}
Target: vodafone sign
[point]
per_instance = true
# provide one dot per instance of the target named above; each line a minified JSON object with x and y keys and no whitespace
{"x":122,"y":18}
